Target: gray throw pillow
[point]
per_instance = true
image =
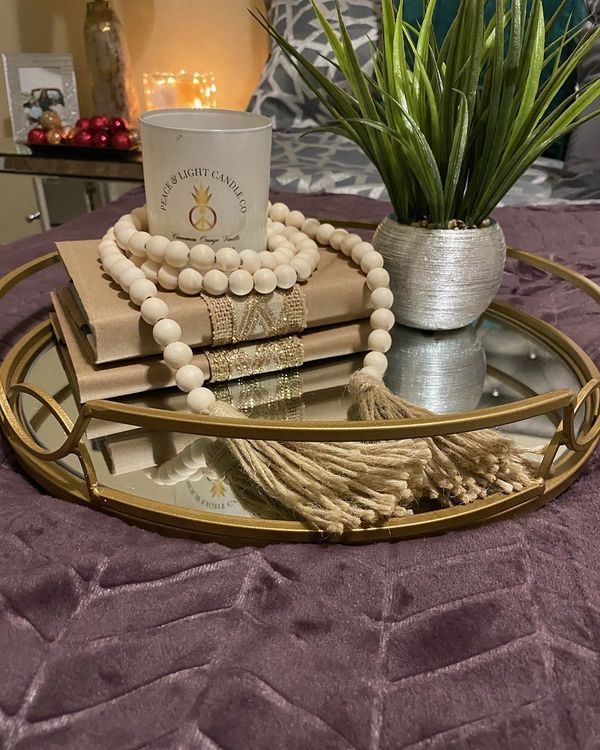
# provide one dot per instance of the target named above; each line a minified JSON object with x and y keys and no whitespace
{"x":581,"y":173}
{"x":281,"y":94}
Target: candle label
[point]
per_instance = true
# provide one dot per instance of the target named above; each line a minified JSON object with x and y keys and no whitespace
{"x":212,"y":201}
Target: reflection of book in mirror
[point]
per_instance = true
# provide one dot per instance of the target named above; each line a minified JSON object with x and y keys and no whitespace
{"x":312,"y":392}
{"x":335,"y":294}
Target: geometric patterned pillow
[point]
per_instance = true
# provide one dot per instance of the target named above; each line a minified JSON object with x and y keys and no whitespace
{"x":281,"y":94}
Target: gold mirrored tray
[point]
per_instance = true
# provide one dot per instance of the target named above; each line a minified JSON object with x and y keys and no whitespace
{"x":510,"y":371}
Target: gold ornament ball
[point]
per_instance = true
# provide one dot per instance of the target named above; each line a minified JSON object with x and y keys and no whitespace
{"x":134,"y":134}
{"x":50,"y":120}
{"x":68,"y":134}
{"x":54,"y":137}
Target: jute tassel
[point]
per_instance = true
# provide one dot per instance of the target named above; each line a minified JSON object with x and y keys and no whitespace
{"x":463,"y":467}
{"x":338,"y":486}
{"x":333,"y":486}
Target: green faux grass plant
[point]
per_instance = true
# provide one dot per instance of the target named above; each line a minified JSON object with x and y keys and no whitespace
{"x":451,"y":127}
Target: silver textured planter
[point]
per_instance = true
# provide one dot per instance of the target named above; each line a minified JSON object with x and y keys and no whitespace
{"x":441,"y":278}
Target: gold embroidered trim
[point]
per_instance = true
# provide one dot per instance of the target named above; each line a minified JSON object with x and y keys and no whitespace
{"x":257,"y":316}
{"x":229,"y":363}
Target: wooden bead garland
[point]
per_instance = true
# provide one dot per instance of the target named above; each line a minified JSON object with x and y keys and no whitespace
{"x":138,"y":261}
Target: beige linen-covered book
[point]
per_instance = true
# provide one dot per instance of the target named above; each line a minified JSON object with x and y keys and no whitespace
{"x":93,"y":381}
{"x":335,"y":294}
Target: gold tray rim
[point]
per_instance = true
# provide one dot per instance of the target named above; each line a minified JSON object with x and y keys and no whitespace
{"x":237,"y":531}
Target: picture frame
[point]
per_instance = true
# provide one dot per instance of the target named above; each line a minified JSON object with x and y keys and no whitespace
{"x":36,"y":83}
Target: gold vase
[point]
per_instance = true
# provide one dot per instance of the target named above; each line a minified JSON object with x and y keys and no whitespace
{"x":112,"y":82}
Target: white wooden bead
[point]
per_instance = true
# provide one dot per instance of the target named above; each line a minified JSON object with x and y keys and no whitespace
{"x":267,"y":260}
{"x":281,"y":259}
{"x":241,"y":283}
{"x":308,"y":257}
{"x":310,"y":227}
{"x":202,"y":257}
{"x":227,"y":259}
{"x":302,"y":267}
{"x":275,"y":240}
{"x":369,"y":370}
{"x":277,"y":227}
{"x":151,"y":269}
{"x":361,"y":249}
{"x":137,"y":243}
{"x":137,"y":260}
{"x":130,"y":220}
{"x":109,"y":245}
{"x":286,"y":276}
{"x":109,"y":261}
{"x":379,"y":341}
{"x":335,"y":241}
{"x":378,"y":360}
{"x":189,"y":377}
{"x":381,"y":297}
{"x":130,"y":275}
{"x":201,"y":400}
{"x":295,"y":219}
{"x":122,"y":235}
{"x":250,"y":261}
{"x":288,"y":232}
{"x":189,"y":281}
{"x":119,"y":267}
{"x":166,"y":331}
{"x":167,"y":277}
{"x":279,"y":211}
{"x":349,"y":242}
{"x":382,"y":318}
{"x":154,"y":309}
{"x":265,"y":281}
{"x":270,"y":233}
{"x":306,"y":245}
{"x":155,"y":248}
{"x":140,"y":213}
{"x":110,"y":234}
{"x":298,"y":237}
{"x":372,"y":260}
{"x":377,"y":277}
{"x":323,"y":234}
{"x":177,"y":354}
{"x":215,"y":282}
{"x":177,"y":254}
{"x":141,"y":290}
{"x":287,"y":249}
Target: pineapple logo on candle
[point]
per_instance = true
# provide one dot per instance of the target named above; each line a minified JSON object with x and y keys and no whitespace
{"x":202,"y":215}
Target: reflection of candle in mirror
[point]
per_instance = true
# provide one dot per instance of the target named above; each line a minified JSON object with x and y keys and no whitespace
{"x":180,"y":90}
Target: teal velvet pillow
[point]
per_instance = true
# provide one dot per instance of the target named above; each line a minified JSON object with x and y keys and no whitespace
{"x":446,"y":10}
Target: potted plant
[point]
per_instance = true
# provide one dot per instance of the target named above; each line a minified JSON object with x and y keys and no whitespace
{"x":450,"y":127}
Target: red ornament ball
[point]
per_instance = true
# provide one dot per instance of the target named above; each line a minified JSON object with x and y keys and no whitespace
{"x":83,"y":123}
{"x":82,"y":138}
{"x":121,"y":139}
{"x":98,"y":122}
{"x":100,"y":140}
{"x":117,"y":123}
{"x":36,"y":136}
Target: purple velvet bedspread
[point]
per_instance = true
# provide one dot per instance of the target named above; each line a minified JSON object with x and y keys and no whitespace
{"x":115,"y":637}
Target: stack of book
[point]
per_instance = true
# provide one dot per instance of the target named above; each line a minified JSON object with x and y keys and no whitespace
{"x":109,"y":351}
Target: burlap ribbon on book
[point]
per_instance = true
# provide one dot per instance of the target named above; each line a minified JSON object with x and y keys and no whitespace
{"x":230,"y":362}
{"x":256,"y":316}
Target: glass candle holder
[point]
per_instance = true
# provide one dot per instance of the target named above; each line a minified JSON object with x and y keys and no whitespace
{"x":207,"y":175}
{"x":180,"y":90}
